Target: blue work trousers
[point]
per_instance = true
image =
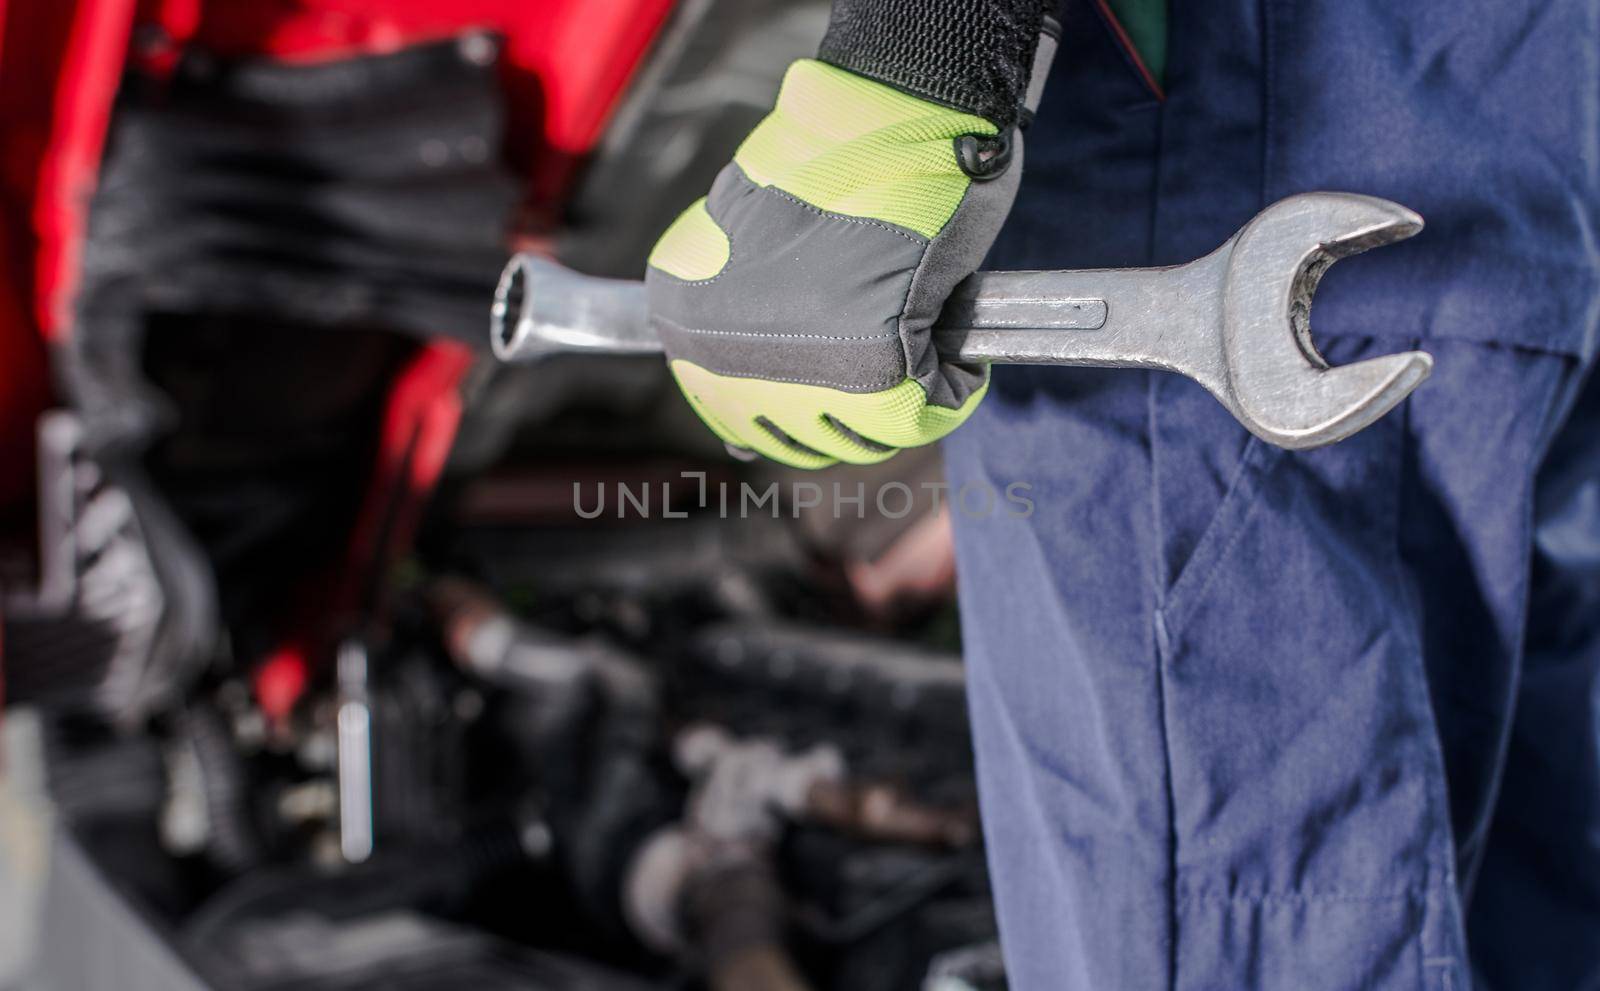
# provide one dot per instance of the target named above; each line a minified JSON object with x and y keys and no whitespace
{"x":1254,"y":719}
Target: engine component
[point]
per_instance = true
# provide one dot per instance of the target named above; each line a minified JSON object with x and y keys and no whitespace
{"x":354,"y":722}
{"x":733,"y":817}
{"x":904,"y":705}
{"x":481,"y":637}
{"x":84,"y":635}
{"x":710,"y":882}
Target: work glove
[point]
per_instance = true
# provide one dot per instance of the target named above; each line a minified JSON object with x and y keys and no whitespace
{"x":795,"y":301}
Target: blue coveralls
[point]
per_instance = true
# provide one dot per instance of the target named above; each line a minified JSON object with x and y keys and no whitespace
{"x":1250,"y":719}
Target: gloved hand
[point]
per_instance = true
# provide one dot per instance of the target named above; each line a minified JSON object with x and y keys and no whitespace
{"x":795,"y":301}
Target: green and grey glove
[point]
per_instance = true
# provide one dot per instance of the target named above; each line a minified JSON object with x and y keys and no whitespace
{"x":795,"y":301}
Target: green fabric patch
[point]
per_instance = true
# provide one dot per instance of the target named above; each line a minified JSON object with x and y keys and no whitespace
{"x":694,"y":248}
{"x":1146,"y":24}
{"x":846,"y":144}
{"x":898,"y":417}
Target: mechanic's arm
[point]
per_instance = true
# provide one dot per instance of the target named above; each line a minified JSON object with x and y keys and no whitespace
{"x":795,"y":301}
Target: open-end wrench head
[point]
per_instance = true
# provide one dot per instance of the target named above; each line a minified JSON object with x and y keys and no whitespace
{"x":1278,"y":385}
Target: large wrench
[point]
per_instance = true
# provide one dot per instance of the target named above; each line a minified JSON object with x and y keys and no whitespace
{"x":1237,"y":321}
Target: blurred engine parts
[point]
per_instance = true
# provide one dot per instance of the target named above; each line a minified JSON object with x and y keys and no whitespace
{"x":289,"y":747}
{"x":80,"y":631}
{"x":761,"y":805}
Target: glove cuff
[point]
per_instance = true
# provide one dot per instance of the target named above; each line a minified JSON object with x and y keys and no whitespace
{"x":972,"y":55}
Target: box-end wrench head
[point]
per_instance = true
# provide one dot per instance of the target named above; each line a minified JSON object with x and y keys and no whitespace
{"x":1237,"y":321}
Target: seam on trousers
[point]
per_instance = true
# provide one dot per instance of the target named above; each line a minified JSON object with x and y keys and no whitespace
{"x":1163,"y":650}
{"x":1157,"y":162}
{"x":1158,"y":546}
{"x":1480,"y":836}
{"x":1439,"y":874}
{"x":1411,"y":633}
{"x":1228,"y":524}
{"x":1158,"y":571}
{"x":1331,"y":897}
{"x":1269,"y":109}
{"x":1236,"y":479}
{"x":1162,"y":653}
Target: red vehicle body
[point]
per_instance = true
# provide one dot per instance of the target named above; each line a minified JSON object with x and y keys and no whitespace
{"x":564,"y":65}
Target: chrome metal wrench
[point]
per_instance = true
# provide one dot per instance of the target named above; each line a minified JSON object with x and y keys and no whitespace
{"x":1237,"y":321}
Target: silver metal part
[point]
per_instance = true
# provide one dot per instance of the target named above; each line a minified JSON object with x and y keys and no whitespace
{"x":355,"y":754}
{"x":743,"y":791}
{"x":542,"y":308}
{"x":1237,"y":321}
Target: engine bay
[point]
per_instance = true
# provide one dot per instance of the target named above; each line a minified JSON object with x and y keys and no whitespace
{"x":352,"y":660}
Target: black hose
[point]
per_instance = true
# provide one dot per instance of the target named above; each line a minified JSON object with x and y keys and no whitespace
{"x":233,"y":843}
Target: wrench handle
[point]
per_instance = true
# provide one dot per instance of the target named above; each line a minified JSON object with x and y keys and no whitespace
{"x":1067,"y":318}
{"x":1098,"y":317}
